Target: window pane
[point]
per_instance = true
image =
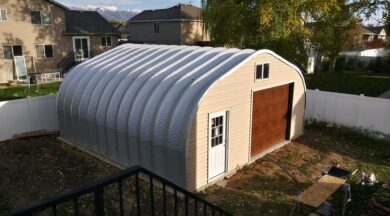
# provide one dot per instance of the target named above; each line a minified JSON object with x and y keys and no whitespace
{"x":40,"y":51}
{"x":36,"y":17}
{"x":109,"y":41}
{"x":7,"y":51}
{"x":46,"y":18}
{"x":266,"y":71}
{"x":18,"y":50}
{"x":104,"y":42}
{"x":259,"y":69}
{"x":3,"y":15}
{"x":49,"y":51}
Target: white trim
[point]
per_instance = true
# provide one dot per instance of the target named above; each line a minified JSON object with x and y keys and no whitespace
{"x":40,"y":13}
{"x":12,"y":49}
{"x":165,"y":20}
{"x":44,"y":51}
{"x":105,"y":36}
{"x":226,"y":137}
{"x":6,"y":15}
{"x":262,"y":71}
{"x":74,"y":47}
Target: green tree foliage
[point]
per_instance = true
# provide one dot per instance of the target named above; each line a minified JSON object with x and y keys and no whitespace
{"x":276,"y":25}
{"x":335,"y":32}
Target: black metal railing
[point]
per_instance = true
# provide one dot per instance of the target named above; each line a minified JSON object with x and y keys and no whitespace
{"x":134,"y":191}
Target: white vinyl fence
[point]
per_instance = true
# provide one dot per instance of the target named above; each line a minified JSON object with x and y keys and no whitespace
{"x":25,"y":115}
{"x":349,"y":110}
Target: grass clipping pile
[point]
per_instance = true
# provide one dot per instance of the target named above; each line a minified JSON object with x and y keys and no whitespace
{"x":32,"y":169}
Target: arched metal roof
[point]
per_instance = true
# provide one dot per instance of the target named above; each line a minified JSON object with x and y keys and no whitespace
{"x":134,"y":103}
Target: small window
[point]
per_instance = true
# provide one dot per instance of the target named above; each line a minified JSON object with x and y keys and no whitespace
{"x":262,"y":71}
{"x":44,"y":51}
{"x":41,"y":17}
{"x":7,"y":52}
{"x":156,"y":28}
{"x":10,"y":51}
{"x":3,"y":15}
{"x":106,"y":41}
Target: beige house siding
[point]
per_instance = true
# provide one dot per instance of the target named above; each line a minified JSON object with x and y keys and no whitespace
{"x":144,"y":32}
{"x":18,"y":30}
{"x":192,"y":32}
{"x":234,"y":93}
{"x":96,"y":44}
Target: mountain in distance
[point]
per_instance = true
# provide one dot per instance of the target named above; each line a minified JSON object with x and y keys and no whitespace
{"x":110,"y":12}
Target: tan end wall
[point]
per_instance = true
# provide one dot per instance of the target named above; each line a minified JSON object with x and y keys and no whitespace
{"x":143,"y":32}
{"x":234,"y":93}
{"x":19,"y":30}
{"x":192,"y":32}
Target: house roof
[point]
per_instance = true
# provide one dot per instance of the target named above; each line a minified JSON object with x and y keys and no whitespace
{"x":373,"y":29}
{"x":87,"y":22}
{"x":58,"y":4}
{"x":178,"y":12}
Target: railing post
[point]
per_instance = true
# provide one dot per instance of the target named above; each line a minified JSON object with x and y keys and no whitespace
{"x":99,"y":201}
{"x":137,"y":189}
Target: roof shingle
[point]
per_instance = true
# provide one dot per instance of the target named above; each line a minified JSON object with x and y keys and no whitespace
{"x":87,"y":22}
{"x":178,"y":12}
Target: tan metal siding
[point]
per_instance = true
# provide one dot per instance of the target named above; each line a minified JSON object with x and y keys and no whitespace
{"x":235,"y":94}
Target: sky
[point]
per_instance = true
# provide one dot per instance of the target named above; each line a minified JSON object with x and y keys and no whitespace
{"x":157,"y":4}
{"x":130,"y":4}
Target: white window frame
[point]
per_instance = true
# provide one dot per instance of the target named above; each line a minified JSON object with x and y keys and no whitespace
{"x":106,"y":41}
{"x":44,"y":51}
{"x":154,"y":27}
{"x":40,"y":13}
{"x":262,"y":71}
{"x":12,"y":49}
{"x":6,"y":15}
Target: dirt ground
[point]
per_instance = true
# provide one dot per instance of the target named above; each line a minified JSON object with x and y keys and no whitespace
{"x":269,"y":185}
{"x":35,"y":168}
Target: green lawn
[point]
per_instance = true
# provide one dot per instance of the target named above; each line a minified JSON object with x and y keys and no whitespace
{"x":367,"y":84}
{"x":269,"y":185}
{"x":12,"y":93}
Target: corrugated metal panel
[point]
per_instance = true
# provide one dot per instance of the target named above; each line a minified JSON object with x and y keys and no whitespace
{"x":134,"y":104}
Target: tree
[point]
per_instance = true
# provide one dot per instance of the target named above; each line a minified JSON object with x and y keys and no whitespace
{"x":276,"y":25}
{"x":335,"y":32}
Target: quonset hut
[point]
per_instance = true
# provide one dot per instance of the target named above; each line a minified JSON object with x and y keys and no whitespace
{"x":190,"y":114}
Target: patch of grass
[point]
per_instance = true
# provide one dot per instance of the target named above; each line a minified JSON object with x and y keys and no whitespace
{"x":4,"y":204}
{"x":19,"y":92}
{"x":368,"y":84}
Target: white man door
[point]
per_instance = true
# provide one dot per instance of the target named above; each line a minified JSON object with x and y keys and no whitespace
{"x":217,"y":143}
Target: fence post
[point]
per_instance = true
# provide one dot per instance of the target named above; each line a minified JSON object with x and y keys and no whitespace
{"x":99,"y":202}
{"x":358,"y":108}
{"x":314,"y":97}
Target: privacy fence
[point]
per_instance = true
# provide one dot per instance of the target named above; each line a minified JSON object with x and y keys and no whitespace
{"x":349,"y":110}
{"x":25,"y":115}
{"x":39,"y":113}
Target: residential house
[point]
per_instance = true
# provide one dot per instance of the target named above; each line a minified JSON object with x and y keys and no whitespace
{"x":46,"y":32}
{"x":371,"y":33}
{"x":180,"y":24}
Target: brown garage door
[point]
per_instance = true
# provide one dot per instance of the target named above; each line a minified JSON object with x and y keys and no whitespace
{"x":270,"y":118}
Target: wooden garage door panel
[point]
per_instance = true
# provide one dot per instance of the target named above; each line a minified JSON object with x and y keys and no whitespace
{"x":270,"y":118}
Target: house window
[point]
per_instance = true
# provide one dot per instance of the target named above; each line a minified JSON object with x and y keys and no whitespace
{"x":44,"y":51}
{"x":106,"y":41}
{"x":3,"y":15}
{"x":156,"y":28}
{"x":10,"y":51}
{"x":41,"y":17}
{"x":262,"y":71}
